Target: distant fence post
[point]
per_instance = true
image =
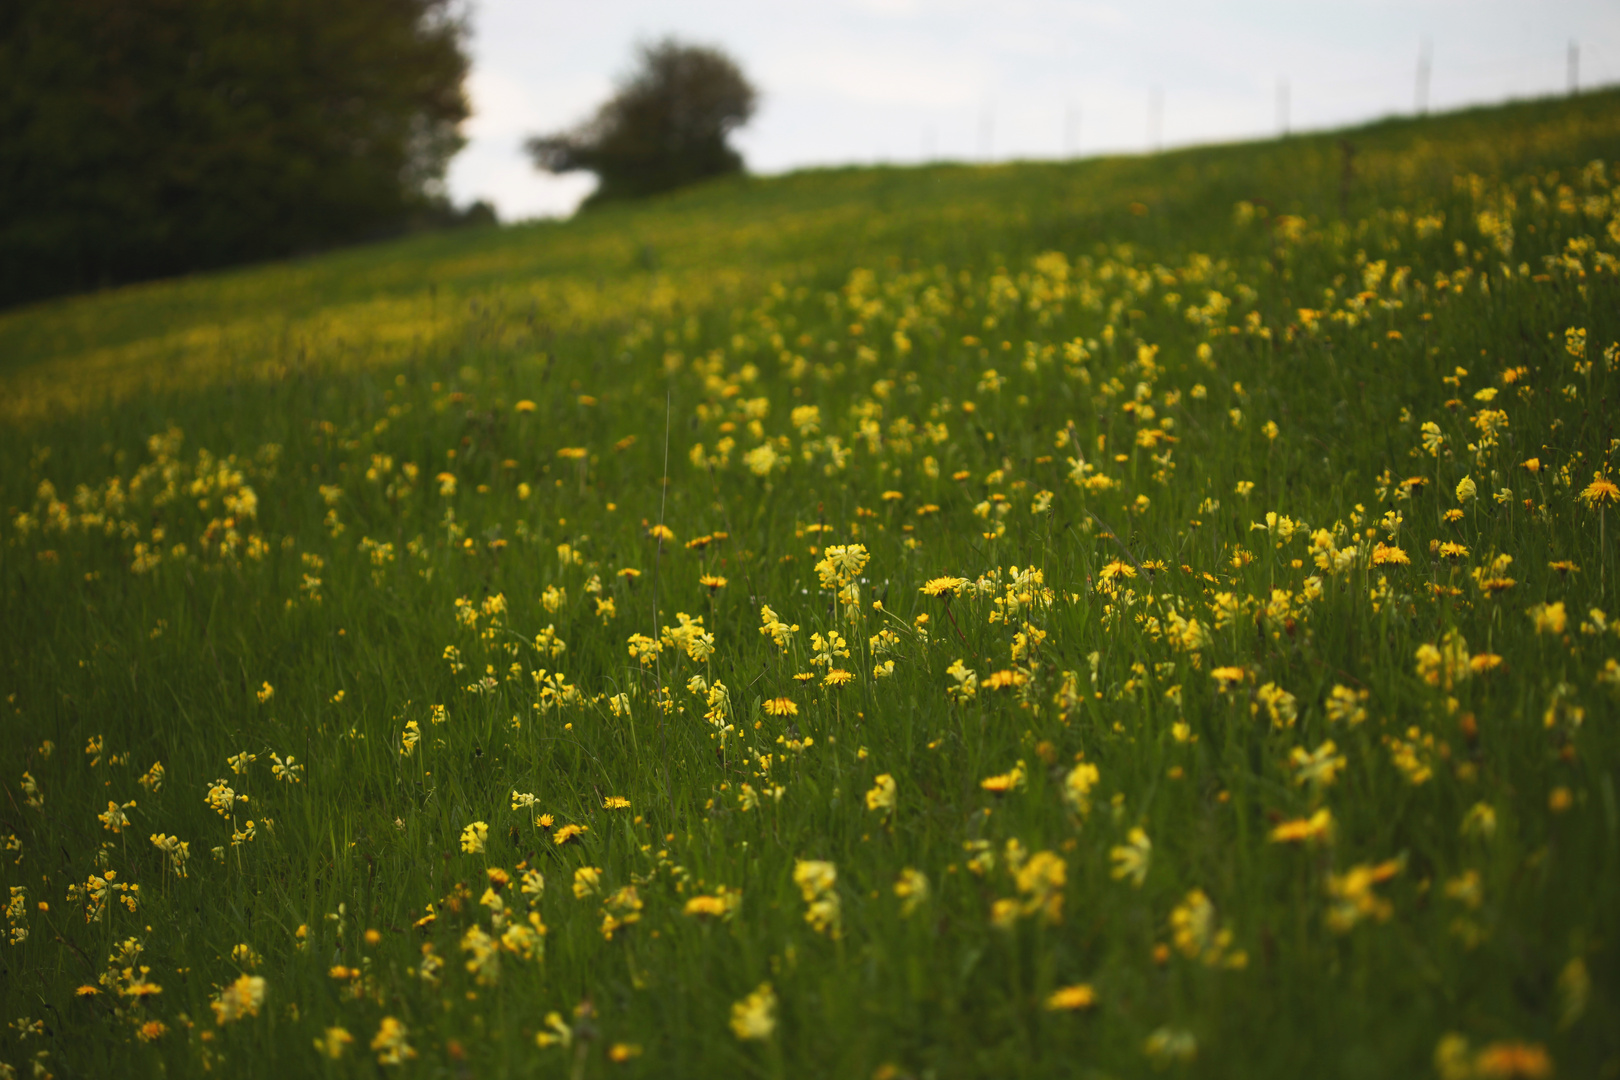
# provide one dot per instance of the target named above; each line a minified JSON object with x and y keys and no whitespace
{"x":1347,"y":153}
{"x":1425,"y":60}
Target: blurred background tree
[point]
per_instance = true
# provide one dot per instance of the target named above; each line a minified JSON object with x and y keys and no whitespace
{"x":141,"y":138}
{"x":666,"y":126}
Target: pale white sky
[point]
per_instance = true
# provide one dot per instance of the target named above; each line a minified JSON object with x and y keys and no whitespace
{"x":857,"y":81}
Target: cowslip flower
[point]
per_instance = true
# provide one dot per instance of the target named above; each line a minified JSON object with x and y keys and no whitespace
{"x":882,"y":795}
{"x":241,"y":998}
{"x":754,"y":1017}
{"x":912,"y":889}
{"x":390,"y":1044}
{"x":1131,"y":859}
{"x":334,"y":1042}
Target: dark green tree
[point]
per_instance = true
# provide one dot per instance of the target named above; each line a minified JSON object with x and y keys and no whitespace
{"x":665,"y":126}
{"x":141,"y":138}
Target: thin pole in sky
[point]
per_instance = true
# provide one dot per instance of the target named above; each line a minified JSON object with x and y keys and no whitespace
{"x":1282,"y":106}
{"x":1425,"y":62}
{"x":1574,"y":68}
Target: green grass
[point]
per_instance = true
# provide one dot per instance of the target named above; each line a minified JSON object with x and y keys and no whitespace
{"x":432,"y":421}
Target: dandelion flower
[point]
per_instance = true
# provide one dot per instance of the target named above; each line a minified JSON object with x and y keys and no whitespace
{"x":943,"y":586}
{"x":1601,"y":490}
{"x":1005,"y":782}
{"x":1317,"y":827}
{"x":1071,"y":998}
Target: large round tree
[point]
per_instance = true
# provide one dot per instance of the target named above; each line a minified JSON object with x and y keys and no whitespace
{"x":665,"y":126}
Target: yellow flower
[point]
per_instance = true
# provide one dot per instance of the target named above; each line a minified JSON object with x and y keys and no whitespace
{"x":781,"y":707}
{"x":241,"y":998}
{"x":1389,"y":555}
{"x":912,"y":889}
{"x":1319,"y":826}
{"x":334,"y":1042}
{"x":1193,"y":928}
{"x":587,"y":881}
{"x":1131,"y":859}
{"x":567,"y":833}
{"x":999,"y":680}
{"x":615,"y":802}
{"x":712,"y":582}
{"x":943,"y":586}
{"x":115,"y":819}
{"x":816,"y":880}
{"x":1513,"y":1059}
{"x":1228,"y":677}
{"x":1549,"y":618}
{"x":1170,"y":1045}
{"x":881,"y":797}
{"x":473,"y":837}
{"x":390,"y":1044}
{"x":1317,"y":767}
{"x":1600,"y":490}
{"x":1071,"y":998}
{"x":1077,"y":786}
{"x":559,"y":1035}
{"x":1351,"y":897}
{"x":754,"y":1017}
{"x":722,"y":905}
{"x":1005,"y":782}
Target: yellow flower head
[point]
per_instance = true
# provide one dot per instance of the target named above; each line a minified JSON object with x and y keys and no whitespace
{"x":754,"y":1017}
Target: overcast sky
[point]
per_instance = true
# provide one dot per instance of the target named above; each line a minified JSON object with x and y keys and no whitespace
{"x":846,"y":81}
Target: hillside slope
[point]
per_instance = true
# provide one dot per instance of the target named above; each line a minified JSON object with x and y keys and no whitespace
{"x":1052,"y":619}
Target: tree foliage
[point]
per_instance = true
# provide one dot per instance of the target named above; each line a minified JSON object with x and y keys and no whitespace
{"x":141,"y":138}
{"x":666,"y":126}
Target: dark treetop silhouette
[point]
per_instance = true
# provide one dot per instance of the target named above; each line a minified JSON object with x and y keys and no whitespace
{"x":666,"y":126}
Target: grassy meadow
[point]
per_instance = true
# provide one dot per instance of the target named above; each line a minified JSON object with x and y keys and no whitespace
{"x":1124,"y":617}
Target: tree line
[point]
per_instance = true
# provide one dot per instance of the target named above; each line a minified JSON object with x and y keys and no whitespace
{"x":148,"y":138}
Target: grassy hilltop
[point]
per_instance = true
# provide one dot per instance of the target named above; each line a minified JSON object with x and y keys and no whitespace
{"x":1045,"y":619}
